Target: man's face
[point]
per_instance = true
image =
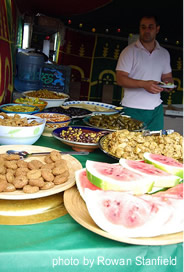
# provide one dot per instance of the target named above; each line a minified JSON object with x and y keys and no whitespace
{"x":148,"y":30}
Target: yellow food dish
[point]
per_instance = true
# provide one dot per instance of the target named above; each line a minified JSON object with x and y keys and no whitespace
{"x":32,"y":101}
{"x":19,"y":108}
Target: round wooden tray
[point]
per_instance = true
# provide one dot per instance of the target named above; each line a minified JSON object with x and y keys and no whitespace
{"x":76,"y":207}
{"x":73,"y":165}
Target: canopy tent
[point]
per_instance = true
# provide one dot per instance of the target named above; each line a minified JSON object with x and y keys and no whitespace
{"x":111,"y":15}
{"x":60,"y":7}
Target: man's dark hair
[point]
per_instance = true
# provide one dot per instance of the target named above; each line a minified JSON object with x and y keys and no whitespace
{"x":150,"y":16}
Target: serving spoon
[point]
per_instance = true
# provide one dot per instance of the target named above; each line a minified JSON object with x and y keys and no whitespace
{"x":25,"y":154}
{"x":148,"y":132}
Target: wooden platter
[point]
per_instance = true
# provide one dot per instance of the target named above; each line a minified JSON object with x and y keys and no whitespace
{"x":73,"y":165}
{"x":76,"y":207}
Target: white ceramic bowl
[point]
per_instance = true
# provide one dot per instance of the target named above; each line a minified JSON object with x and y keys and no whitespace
{"x":21,"y":135}
{"x":51,"y":102}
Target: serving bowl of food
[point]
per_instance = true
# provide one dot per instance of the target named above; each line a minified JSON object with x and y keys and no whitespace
{"x":53,"y":99}
{"x":37,"y":102}
{"x":94,"y":107}
{"x":53,"y":121}
{"x":19,"y":108}
{"x":132,"y":145}
{"x":113,"y":122}
{"x":20,"y":129}
{"x":80,"y":138}
{"x":71,"y":111}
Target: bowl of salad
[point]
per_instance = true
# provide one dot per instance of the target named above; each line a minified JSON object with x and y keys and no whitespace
{"x":32,"y":101}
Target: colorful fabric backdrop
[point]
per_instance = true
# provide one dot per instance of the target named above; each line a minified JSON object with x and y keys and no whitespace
{"x":93,"y":60}
{"x":8,"y":34}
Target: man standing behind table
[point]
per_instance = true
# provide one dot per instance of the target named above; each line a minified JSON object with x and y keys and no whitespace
{"x":140,"y":68}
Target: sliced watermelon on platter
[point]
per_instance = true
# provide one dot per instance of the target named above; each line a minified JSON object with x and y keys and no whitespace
{"x":83,"y":182}
{"x":164,"y":163}
{"x":125,"y":215}
{"x":115,"y":177}
{"x":159,"y":177}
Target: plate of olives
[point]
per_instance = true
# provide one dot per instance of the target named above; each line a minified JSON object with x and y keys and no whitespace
{"x":80,"y":138}
{"x":73,"y":112}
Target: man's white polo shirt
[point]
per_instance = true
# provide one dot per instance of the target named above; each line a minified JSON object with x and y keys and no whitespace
{"x":141,"y":64}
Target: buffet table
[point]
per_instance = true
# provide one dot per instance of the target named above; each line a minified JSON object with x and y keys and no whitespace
{"x":64,"y":245}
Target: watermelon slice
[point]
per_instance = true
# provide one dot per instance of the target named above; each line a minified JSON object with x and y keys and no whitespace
{"x":115,"y":177}
{"x":174,"y":192}
{"x":169,"y":165}
{"x":159,"y":177}
{"x":83,"y":182}
{"x":125,"y":215}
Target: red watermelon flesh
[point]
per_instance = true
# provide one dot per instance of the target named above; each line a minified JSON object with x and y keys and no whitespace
{"x":129,"y":211}
{"x":83,"y":182}
{"x":164,"y":163}
{"x":161,"y":178}
{"x":125,"y":215}
{"x":115,"y":177}
{"x":116,"y":171}
{"x":146,"y":168}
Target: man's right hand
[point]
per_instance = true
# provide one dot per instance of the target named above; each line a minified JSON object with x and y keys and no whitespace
{"x":151,"y":86}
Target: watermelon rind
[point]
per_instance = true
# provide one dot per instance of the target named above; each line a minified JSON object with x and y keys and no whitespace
{"x":175,"y":170}
{"x":106,"y":183}
{"x":166,"y":180}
